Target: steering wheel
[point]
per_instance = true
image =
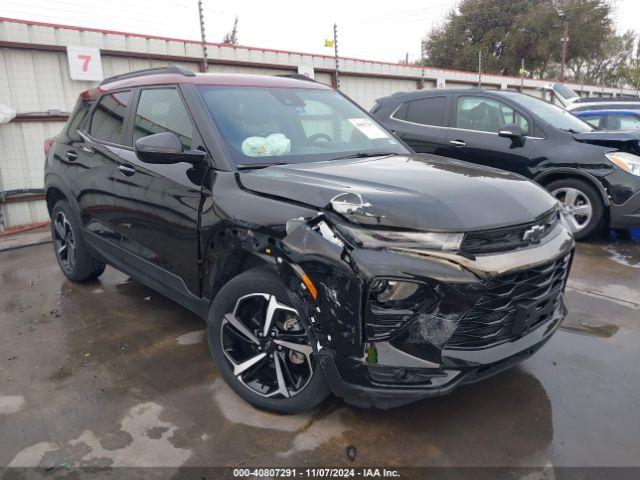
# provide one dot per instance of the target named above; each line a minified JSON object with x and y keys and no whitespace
{"x":318,"y":136}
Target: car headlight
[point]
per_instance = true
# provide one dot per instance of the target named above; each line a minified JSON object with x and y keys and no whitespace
{"x":626,"y":161}
{"x":372,"y":238}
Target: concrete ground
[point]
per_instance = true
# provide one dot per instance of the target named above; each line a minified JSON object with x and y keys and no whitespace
{"x":112,"y":373}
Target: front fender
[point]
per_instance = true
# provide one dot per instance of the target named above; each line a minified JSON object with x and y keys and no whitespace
{"x":575,"y":173}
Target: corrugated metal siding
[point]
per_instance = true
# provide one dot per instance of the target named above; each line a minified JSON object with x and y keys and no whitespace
{"x":365,"y":91}
{"x":14,"y":214}
{"x":117,"y":65}
{"x":22,"y":158}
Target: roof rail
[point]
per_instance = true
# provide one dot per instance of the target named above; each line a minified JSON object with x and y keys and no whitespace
{"x":296,"y":76}
{"x":626,"y":98}
{"x":150,"y":71}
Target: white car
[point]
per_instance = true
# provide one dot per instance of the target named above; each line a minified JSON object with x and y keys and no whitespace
{"x":569,"y":99}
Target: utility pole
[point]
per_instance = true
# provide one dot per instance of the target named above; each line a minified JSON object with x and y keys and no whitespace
{"x":479,"y":68}
{"x":422,"y":64}
{"x":565,"y":39}
{"x":205,"y":65}
{"x":335,"y":50}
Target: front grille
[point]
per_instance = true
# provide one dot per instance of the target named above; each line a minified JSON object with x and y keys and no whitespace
{"x":510,"y":238}
{"x":512,"y":306}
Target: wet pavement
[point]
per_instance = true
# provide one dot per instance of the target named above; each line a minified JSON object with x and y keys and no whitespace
{"x":111,"y":373}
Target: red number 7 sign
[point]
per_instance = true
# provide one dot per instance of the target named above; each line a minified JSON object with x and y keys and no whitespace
{"x":85,"y":61}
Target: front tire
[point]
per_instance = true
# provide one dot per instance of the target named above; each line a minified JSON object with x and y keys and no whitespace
{"x":72,"y":254}
{"x":583,"y":204}
{"x":261,"y":346}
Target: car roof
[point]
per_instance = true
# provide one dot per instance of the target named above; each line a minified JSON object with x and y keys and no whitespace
{"x":415,"y":94}
{"x":608,"y":112}
{"x":213,"y":79}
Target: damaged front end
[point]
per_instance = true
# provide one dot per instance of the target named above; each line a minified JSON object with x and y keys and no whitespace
{"x":402,"y":315}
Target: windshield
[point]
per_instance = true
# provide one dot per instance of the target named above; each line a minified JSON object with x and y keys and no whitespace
{"x":293,"y":125}
{"x":555,"y":116}
{"x":564,"y":91}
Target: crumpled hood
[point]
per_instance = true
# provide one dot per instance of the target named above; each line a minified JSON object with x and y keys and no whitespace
{"x":420,"y":192}
{"x":626,"y":140}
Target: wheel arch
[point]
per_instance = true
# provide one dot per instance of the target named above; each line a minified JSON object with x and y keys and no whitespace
{"x":551,"y":175}
{"x":55,"y":190}
{"x":228,"y":265}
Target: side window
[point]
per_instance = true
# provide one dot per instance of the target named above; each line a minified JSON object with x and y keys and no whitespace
{"x":487,"y":115}
{"x":108,"y":117}
{"x":161,"y":110}
{"x":426,"y":111}
{"x":76,"y":119}
{"x":593,"y":120}
{"x":627,"y":122}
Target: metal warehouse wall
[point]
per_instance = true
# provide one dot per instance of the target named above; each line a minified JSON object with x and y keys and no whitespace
{"x":35,"y":81}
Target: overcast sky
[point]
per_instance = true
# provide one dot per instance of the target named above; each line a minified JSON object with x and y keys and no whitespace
{"x":366,"y":29}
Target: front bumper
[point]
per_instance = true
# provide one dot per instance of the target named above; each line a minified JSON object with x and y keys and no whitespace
{"x":390,"y":357}
{"x":354,"y":380}
{"x":626,"y":215}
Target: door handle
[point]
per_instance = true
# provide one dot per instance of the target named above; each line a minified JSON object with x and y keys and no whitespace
{"x":126,"y":170}
{"x":71,"y":155}
{"x":458,"y":143}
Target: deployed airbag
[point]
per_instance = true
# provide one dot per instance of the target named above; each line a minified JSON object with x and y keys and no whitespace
{"x":274,"y":145}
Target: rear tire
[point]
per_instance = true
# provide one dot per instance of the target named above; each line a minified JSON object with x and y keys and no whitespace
{"x":69,"y":247}
{"x":583,"y":202}
{"x":282,"y":377}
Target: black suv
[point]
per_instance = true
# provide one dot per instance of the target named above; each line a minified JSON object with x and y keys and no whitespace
{"x":595,"y":174}
{"x":323,"y":255}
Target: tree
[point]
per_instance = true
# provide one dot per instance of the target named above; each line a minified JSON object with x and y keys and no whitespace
{"x":608,"y":64}
{"x":231,"y":38}
{"x":507,"y":31}
{"x":632,"y":72}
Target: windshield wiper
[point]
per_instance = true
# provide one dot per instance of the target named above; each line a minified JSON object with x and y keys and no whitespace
{"x":251,"y":166}
{"x":365,"y":155}
{"x":570,"y":130}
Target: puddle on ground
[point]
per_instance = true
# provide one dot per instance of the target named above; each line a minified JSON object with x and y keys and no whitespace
{"x":597,"y":329}
{"x":627,"y":254}
{"x":191,"y":338}
{"x":312,"y":428}
{"x":144,"y":440}
{"x":625,"y":248}
{"x":11,"y":403}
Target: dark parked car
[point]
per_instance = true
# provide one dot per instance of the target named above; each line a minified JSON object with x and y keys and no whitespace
{"x":596,"y":174}
{"x":611,"y":119}
{"x":323,"y":254}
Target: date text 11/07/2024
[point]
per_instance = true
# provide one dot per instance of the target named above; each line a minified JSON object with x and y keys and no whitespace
{"x":316,"y":472}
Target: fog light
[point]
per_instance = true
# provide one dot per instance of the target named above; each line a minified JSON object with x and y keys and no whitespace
{"x":392,"y":290}
{"x":393,"y":304}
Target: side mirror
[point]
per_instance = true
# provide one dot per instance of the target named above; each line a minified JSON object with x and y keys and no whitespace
{"x":165,"y":148}
{"x":511,"y":130}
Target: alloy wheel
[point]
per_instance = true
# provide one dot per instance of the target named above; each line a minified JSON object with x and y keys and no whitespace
{"x":64,"y":241}
{"x":577,"y":205}
{"x":267,"y":346}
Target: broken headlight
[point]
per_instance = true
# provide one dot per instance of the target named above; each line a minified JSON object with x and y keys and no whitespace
{"x":373,"y":238}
